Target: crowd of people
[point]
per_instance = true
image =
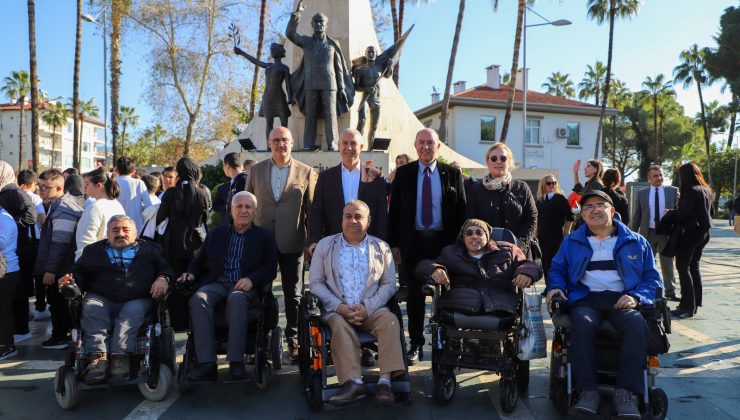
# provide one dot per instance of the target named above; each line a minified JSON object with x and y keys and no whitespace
{"x":126,"y":237}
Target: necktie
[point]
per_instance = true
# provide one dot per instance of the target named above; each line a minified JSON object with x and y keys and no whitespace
{"x":426,"y":199}
{"x":657,"y":208}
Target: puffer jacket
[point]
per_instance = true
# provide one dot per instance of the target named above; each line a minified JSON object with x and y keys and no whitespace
{"x":57,"y":244}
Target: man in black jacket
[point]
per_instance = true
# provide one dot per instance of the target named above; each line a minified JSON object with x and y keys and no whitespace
{"x":237,"y":264}
{"x":120,"y":277}
{"x":426,"y":212}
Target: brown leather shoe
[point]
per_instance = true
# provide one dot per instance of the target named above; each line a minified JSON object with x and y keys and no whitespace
{"x":384,"y":395}
{"x":97,"y":370}
{"x":348,"y":393}
{"x":293,"y":350}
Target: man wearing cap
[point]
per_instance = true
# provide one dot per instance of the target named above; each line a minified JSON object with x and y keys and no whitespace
{"x":602,"y":272}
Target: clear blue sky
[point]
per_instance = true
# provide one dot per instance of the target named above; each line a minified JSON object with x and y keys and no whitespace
{"x":645,"y":46}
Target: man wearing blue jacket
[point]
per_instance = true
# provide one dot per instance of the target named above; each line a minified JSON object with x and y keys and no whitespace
{"x":603,"y":271}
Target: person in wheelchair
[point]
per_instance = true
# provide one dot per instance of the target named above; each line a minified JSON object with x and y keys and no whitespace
{"x":603,"y":271}
{"x":234,"y":264}
{"x":353,"y":276}
{"x":120,"y":277}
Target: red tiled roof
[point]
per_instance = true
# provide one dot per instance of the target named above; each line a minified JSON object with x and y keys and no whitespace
{"x":501,"y":94}
{"x":43,"y":105}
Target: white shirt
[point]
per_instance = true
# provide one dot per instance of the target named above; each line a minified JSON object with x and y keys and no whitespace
{"x":134,"y":198}
{"x":278,"y":178}
{"x":350,"y":183}
{"x":651,"y":203}
{"x":353,"y":269}
{"x":598,"y":277}
{"x":93,"y":224}
{"x":38,"y":203}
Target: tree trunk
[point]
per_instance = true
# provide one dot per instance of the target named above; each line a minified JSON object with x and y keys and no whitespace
{"x":123,"y":140}
{"x":34,"y":85}
{"x":22,"y":101}
{"x":82,"y":125}
{"x":659,"y":154}
{"x":614,"y":139}
{"x":655,"y":127}
{"x":697,"y":78}
{"x":76,"y":90}
{"x":450,"y":69}
{"x":522,"y":7}
{"x":53,"y":145}
{"x":612,"y":11}
{"x":733,"y":120}
{"x":115,"y":70}
{"x":189,"y":134}
{"x":260,"y":40}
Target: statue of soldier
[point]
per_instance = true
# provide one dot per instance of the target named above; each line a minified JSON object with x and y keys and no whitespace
{"x":322,"y":84}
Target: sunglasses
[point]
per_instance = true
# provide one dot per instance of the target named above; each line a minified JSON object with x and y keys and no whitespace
{"x":495,"y":158}
{"x":471,"y":232}
{"x":551,"y":183}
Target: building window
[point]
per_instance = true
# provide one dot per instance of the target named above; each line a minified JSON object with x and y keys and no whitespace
{"x":85,"y":146}
{"x":70,"y":127}
{"x":487,"y":128}
{"x":574,"y":134}
{"x":99,"y":133}
{"x":68,"y":161}
{"x":533,"y":131}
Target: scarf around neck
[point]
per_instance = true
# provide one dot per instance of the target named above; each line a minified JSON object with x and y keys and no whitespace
{"x":493,"y":184}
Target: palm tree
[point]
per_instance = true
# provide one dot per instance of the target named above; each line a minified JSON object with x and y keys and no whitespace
{"x":592,"y":83}
{"x":56,"y":115}
{"x":521,"y":9}
{"x":260,"y":40}
{"x":76,"y":89}
{"x":87,"y":109}
{"x":716,"y":116}
{"x":450,"y":69}
{"x":600,"y":10}
{"x":559,"y":84}
{"x":127,"y":118}
{"x":119,"y":9}
{"x":619,"y":98}
{"x":655,"y":88}
{"x":16,"y":89}
{"x":691,"y":70}
{"x":34,"y":85}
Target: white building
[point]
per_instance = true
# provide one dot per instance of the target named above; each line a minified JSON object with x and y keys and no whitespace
{"x":93,"y":143}
{"x":558,"y":131}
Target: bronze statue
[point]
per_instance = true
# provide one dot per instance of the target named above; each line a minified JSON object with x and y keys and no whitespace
{"x":274,"y":104}
{"x":322,"y":84}
{"x":366,"y":73}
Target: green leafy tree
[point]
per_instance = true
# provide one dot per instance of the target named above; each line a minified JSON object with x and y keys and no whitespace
{"x":656,"y":88}
{"x":260,"y":41}
{"x":716,"y":117}
{"x":559,"y":84}
{"x":16,"y":88}
{"x":592,"y":83}
{"x":56,"y":116}
{"x":127,"y":117}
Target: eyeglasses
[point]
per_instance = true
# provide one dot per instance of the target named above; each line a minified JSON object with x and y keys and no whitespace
{"x":551,"y":183}
{"x":495,"y":158}
{"x":597,"y":206}
{"x":44,"y":187}
{"x":471,"y":232}
{"x":279,"y":141}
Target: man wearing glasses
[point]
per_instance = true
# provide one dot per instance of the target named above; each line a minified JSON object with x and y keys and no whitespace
{"x":284,"y":187}
{"x":602,"y":272}
{"x":426,"y":211}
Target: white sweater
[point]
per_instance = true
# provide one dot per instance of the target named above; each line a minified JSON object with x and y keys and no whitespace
{"x":93,"y":223}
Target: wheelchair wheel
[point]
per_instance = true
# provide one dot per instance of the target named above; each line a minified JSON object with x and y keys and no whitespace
{"x":444,"y":385}
{"x":66,"y":390}
{"x":164,"y":385}
{"x":559,"y":397}
{"x":168,"y":352}
{"x":509,"y":395}
{"x":313,"y":391}
{"x":276,"y":347}
{"x":658,"y":404}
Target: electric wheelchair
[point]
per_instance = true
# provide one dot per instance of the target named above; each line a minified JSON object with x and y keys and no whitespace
{"x":654,"y":402}
{"x":314,"y":358}
{"x":264,"y":345}
{"x":151,"y":366}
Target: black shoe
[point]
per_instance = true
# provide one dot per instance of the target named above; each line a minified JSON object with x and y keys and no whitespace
{"x":368,"y":358}
{"x":237,"y":371}
{"x":55,"y":343}
{"x":348,"y":393}
{"x":673,"y":298}
{"x":6,"y":352}
{"x":681,"y":314}
{"x":415,"y":354}
{"x":203,"y":372}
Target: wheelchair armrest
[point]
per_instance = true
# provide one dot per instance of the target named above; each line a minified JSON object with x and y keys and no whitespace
{"x":313,"y":305}
{"x":430,"y":288}
{"x":71,"y":291}
{"x":557,"y":306}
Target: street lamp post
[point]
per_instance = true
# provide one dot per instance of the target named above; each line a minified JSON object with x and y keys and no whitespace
{"x":525,"y":81}
{"x":104,"y":26}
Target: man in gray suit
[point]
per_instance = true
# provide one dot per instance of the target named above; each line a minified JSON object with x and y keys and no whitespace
{"x":652,"y":203}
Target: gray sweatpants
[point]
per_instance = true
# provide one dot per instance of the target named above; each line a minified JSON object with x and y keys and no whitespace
{"x":238,"y":306}
{"x":124,"y":319}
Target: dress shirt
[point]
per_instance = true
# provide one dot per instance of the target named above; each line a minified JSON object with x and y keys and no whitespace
{"x":234,"y":252}
{"x":278,"y":178}
{"x":651,"y":203}
{"x":353,"y":268}
{"x":436,"y":197}
{"x":350,"y":183}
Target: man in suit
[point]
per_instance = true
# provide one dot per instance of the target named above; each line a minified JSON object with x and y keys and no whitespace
{"x":284,"y":188}
{"x":355,"y":183}
{"x":652,"y":204}
{"x":426,"y":211}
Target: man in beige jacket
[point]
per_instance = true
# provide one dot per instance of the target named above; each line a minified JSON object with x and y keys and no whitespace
{"x":284,"y":188}
{"x":353,"y":275}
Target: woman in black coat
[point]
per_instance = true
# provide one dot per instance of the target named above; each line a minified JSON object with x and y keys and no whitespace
{"x":593,"y":170}
{"x":553,"y":211}
{"x":502,"y":201}
{"x":694,"y":215}
{"x":611,"y":180}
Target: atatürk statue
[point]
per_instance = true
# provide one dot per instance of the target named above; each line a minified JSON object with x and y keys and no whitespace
{"x":274,"y":103}
{"x":322,"y":84}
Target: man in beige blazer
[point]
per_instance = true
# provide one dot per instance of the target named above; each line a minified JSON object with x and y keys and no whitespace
{"x":284,"y":188}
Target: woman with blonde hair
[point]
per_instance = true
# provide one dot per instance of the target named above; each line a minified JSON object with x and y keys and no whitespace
{"x":553,"y":211}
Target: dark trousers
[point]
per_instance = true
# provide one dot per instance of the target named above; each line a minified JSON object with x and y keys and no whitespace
{"x":586,"y":316}
{"x":40,"y":290}
{"x":8,"y":285}
{"x":20,"y":301}
{"x":60,"y":319}
{"x":326,"y":100}
{"x":177,"y":302}
{"x":426,"y":245}
{"x":688,"y":255}
{"x":290,"y":265}
{"x":549,"y":244}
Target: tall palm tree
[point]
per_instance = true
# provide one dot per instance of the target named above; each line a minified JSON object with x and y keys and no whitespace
{"x":86,"y":109}
{"x":76,"y":89}
{"x":16,"y":88}
{"x":127,"y":118}
{"x":450,"y":69}
{"x":619,"y":98}
{"x":601,"y":10}
{"x":119,"y":9}
{"x":593,"y":82}
{"x":691,"y":70}
{"x":655,"y":88}
{"x":260,"y":41}
{"x":521,"y":9}
{"x":716,"y":116}
{"x":34,"y":85}
{"x":56,"y":116}
{"x":559,"y":84}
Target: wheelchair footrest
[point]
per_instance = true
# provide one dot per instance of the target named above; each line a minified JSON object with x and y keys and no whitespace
{"x":398,"y":387}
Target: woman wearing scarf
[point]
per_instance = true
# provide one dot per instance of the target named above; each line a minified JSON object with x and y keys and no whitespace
{"x":186,"y":207}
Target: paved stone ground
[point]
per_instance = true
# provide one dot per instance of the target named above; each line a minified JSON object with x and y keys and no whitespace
{"x":701,"y":374}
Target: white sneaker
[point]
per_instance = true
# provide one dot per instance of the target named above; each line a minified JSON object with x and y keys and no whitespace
{"x":41,"y":315}
{"x":19,"y":338}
